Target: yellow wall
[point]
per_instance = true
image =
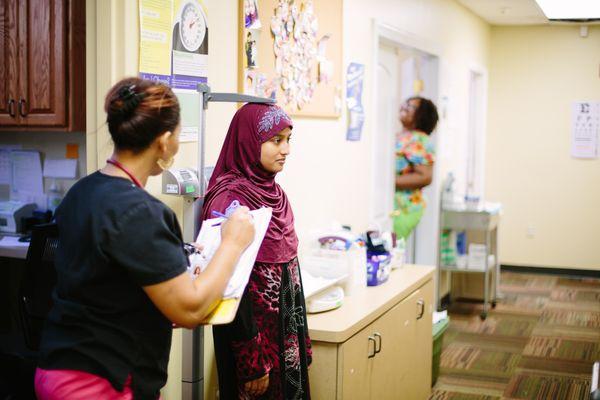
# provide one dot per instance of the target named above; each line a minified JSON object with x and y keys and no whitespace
{"x":536,"y":73}
{"x":327,"y":177}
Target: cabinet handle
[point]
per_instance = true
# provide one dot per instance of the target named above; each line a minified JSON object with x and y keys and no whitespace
{"x":420,"y":309}
{"x":22,"y":104}
{"x":377,"y":348}
{"x":10,"y":105}
{"x":372,"y":339}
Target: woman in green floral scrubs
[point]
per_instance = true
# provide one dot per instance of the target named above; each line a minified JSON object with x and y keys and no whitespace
{"x":414,"y":162}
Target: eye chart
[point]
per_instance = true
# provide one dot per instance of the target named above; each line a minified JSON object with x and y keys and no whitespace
{"x":585,"y":129}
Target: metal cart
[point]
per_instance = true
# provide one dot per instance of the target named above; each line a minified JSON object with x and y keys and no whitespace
{"x":462,"y":219}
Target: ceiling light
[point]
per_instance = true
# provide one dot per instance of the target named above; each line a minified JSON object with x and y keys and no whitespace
{"x":571,"y":9}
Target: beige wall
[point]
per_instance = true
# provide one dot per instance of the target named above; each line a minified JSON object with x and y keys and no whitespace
{"x":536,"y":73}
{"x":327,"y":177}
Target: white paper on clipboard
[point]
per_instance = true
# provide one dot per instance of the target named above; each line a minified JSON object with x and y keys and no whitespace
{"x":210,"y":238}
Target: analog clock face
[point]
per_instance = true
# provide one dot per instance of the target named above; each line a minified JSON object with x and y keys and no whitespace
{"x":192,"y":27}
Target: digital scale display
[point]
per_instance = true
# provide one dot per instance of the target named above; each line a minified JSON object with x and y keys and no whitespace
{"x":185,"y":175}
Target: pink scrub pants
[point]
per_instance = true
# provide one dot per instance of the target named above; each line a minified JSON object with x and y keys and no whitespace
{"x":63,"y":384}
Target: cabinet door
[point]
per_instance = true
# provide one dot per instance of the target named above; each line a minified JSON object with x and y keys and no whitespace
{"x":423,"y":341}
{"x":356,"y":365}
{"x":393,"y":369}
{"x":42,"y":67}
{"x":8,"y":63}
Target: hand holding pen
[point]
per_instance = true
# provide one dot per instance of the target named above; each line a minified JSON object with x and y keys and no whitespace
{"x":230,"y":210}
{"x":238,"y":229}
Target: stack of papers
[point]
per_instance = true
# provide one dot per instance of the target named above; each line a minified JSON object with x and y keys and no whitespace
{"x":210,"y":238}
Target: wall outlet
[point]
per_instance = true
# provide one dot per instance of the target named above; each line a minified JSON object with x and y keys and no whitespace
{"x":530,"y":231}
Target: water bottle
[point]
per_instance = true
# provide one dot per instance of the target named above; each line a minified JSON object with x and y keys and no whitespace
{"x":54,"y":196}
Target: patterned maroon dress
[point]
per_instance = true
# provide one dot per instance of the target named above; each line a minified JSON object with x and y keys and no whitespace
{"x":269,"y":335}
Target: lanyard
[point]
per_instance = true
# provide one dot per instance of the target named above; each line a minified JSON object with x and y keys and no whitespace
{"x":122,"y":168}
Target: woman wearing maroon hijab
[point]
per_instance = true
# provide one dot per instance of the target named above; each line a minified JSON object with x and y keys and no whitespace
{"x":265,"y":351}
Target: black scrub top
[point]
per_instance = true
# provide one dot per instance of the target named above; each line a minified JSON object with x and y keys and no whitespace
{"x":114,"y":239}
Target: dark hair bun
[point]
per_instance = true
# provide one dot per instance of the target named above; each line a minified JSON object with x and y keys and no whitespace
{"x":138,"y":111}
{"x":130,"y":99}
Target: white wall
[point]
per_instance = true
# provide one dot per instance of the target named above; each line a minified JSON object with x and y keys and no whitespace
{"x":536,"y":74}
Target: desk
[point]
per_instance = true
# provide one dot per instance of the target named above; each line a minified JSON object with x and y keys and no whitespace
{"x":19,"y":252}
{"x":487,"y":221}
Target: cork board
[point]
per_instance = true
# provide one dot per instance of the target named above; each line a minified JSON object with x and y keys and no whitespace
{"x":292,"y":50}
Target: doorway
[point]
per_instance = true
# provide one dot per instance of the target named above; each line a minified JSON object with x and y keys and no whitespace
{"x":405,"y":67}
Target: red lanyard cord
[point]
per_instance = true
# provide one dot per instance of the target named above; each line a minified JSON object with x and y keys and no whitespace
{"x":122,"y":168}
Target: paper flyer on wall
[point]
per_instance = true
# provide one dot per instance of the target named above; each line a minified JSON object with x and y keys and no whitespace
{"x":354,"y":87}
{"x":156,"y":18}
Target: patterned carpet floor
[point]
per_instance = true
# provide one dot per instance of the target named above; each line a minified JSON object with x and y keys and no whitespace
{"x":539,"y":343}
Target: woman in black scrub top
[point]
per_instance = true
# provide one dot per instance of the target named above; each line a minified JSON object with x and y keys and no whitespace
{"x":121,"y":264}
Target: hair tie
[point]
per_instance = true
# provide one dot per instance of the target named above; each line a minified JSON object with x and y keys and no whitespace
{"x":130,"y":99}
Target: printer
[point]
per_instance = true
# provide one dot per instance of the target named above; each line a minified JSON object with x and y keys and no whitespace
{"x":12,"y":214}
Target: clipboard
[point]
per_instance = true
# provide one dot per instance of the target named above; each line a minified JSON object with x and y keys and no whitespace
{"x":210,"y":238}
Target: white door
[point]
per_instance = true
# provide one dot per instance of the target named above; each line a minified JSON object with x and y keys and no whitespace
{"x":426,"y":234}
{"x":386,"y":126}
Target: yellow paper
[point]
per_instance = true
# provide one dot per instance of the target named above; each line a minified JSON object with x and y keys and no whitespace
{"x":224,"y":313}
{"x":155,"y":37}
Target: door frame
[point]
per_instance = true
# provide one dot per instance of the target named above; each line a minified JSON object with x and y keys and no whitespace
{"x":479,"y":122}
{"x":410,"y":41}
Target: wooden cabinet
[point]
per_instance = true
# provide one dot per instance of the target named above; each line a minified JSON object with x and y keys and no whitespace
{"x":390,"y":358}
{"x":42,"y":70}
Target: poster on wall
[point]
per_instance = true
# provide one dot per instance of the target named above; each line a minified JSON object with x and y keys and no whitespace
{"x":155,"y":40}
{"x":174,"y":51}
{"x":354,"y":86}
{"x":190,"y":44}
{"x":585,"y":129}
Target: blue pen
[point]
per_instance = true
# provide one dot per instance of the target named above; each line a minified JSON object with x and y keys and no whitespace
{"x":218,"y":214}
{"x":232,"y":207}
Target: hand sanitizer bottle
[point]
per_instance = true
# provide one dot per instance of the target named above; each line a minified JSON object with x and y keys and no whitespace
{"x":54,"y":196}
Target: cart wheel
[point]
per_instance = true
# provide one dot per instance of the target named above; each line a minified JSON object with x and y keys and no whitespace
{"x":483,"y":315}
{"x":494,"y":304}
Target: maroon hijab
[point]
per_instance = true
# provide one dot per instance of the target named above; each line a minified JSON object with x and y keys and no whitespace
{"x":238,"y":175}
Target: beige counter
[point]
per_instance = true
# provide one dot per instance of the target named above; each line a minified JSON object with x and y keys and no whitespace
{"x":367,"y":304}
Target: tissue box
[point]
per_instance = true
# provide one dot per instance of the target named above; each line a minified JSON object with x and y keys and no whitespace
{"x":378,"y":268}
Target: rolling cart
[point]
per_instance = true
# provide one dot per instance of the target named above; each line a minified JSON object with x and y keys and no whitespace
{"x":463,"y":219}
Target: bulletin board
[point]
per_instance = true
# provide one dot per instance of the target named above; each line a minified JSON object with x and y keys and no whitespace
{"x":291,"y":50}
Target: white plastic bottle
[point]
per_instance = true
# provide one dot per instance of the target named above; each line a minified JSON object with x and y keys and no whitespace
{"x":54,"y":196}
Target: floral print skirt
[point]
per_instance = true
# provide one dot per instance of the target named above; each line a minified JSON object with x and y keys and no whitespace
{"x":269,"y":335}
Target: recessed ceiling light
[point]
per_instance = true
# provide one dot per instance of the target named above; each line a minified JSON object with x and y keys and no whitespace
{"x":570,"y":9}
